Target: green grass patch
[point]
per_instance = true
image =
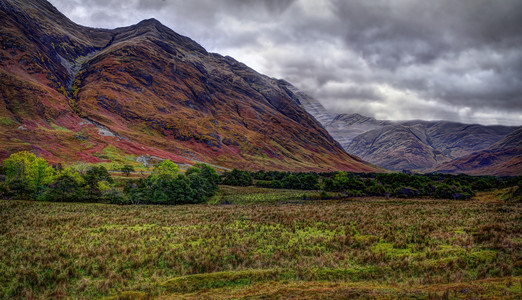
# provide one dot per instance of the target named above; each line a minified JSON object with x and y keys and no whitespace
{"x":220,"y":279}
{"x":59,"y":128}
{"x":256,"y":195}
{"x":5,"y":121}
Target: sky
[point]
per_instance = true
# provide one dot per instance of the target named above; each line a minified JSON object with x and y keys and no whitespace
{"x":458,"y":60}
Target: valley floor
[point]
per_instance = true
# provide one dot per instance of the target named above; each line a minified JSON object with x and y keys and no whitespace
{"x":297,"y":248}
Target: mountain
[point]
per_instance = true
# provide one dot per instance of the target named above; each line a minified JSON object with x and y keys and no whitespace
{"x":345,"y":127}
{"x":416,"y":145}
{"x":423,"y":144}
{"x":502,"y":158}
{"x":72,"y":93}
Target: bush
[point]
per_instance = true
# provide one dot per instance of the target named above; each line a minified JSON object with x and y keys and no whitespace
{"x":445,"y":191}
{"x":127,"y":169}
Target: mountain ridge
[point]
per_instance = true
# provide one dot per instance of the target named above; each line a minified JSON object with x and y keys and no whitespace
{"x":154,"y":91}
{"x":418,"y":145}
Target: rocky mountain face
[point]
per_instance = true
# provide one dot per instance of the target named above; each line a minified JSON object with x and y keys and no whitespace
{"x":422,"y":145}
{"x":74,"y":93}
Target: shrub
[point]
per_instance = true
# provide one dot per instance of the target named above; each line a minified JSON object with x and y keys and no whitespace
{"x":406,"y":192}
{"x":127,"y":169}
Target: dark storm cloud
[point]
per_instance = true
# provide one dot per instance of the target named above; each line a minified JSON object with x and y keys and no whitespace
{"x":458,"y":60}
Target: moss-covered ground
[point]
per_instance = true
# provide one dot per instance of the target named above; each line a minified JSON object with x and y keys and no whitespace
{"x":279,"y":248}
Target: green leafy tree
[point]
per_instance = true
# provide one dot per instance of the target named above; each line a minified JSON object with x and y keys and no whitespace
{"x":336,"y":184}
{"x":309,"y":182}
{"x":27,"y":174}
{"x":165,"y":189}
{"x":127,"y":169}
{"x":237,"y":178}
{"x":96,"y":181}
{"x":136,"y":191}
{"x":203,"y":179}
{"x":66,"y":186}
{"x":165,"y":168}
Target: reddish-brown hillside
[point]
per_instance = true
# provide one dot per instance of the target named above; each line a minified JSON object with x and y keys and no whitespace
{"x":74,"y":93}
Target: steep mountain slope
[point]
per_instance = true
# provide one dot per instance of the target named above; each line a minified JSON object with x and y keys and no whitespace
{"x":501,"y":158}
{"x":345,"y":127}
{"x":70,"y":92}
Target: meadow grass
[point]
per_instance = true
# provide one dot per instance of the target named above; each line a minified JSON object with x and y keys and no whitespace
{"x":305,"y":249}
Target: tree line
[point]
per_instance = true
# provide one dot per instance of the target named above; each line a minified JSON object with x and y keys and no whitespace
{"x":401,"y":185}
{"x":26,"y":176}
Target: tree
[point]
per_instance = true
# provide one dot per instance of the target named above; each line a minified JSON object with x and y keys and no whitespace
{"x":26,"y":174}
{"x":237,"y":178}
{"x":203,"y":179}
{"x":66,"y":186}
{"x":136,"y":191}
{"x":165,"y":168}
{"x":165,"y":189}
{"x":96,"y":181}
{"x":336,"y":184}
{"x":127,"y":169}
{"x":309,"y":182}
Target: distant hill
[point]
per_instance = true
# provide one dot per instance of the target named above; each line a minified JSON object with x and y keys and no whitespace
{"x":72,"y":93}
{"x":502,"y":158}
{"x":419,"y":145}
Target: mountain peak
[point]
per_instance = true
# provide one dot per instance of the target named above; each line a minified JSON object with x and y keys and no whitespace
{"x":149,"y":22}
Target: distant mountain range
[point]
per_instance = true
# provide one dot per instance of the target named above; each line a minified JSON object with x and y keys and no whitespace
{"x":70,"y":93}
{"x":425,"y":145}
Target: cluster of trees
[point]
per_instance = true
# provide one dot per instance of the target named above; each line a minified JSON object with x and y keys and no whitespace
{"x":397,"y":185}
{"x":437,"y":185}
{"x":26,"y":176}
{"x":167,"y":186}
{"x":287,"y":180}
{"x":237,"y":177}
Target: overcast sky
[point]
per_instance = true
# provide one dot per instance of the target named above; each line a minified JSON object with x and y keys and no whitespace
{"x":455,"y":60}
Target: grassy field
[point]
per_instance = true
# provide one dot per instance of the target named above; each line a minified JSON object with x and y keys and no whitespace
{"x":281,"y":247}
